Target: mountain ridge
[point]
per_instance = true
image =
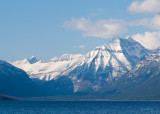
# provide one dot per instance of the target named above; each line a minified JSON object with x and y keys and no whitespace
{"x":92,"y":71}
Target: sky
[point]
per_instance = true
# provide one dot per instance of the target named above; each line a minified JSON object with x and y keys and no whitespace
{"x":48,"y":28}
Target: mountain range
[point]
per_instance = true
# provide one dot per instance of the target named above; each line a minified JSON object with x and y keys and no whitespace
{"x":121,"y":67}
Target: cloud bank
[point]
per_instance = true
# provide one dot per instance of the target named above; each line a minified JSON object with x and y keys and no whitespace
{"x":150,"y":40}
{"x":145,"y":7}
{"x":101,"y":28}
{"x":152,"y":23}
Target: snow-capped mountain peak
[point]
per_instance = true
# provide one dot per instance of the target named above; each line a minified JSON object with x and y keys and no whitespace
{"x":33,"y":60}
{"x":54,"y":59}
{"x":68,"y":57}
{"x":107,"y":63}
{"x":113,"y":45}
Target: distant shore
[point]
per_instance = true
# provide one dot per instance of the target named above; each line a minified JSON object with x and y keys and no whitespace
{"x":6,"y":97}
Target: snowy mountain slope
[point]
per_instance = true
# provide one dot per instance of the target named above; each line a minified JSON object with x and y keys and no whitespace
{"x":92,"y":71}
{"x":106,"y":64}
{"x":143,"y":79}
{"x":15,"y":82}
{"x":48,"y":70}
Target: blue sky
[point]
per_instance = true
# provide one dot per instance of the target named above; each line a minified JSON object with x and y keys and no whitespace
{"x":48,"y":28}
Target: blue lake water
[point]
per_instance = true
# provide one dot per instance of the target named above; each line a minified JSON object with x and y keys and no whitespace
{"x":79,"y":107}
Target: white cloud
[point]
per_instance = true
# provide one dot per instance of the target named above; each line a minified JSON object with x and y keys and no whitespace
{"x":102,"y":28}
{"x":145,"y":6}
{"x":80,"y":46}
{"x":150,"y":40}
{"x":153,"y":23}
{"x":93,"y":14}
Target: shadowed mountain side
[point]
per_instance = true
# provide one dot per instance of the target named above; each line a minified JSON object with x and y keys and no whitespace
{"x":15,"y":82}
{"x":61,"y":86}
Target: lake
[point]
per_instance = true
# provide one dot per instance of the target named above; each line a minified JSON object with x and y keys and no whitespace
{"x":79,"y":107}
